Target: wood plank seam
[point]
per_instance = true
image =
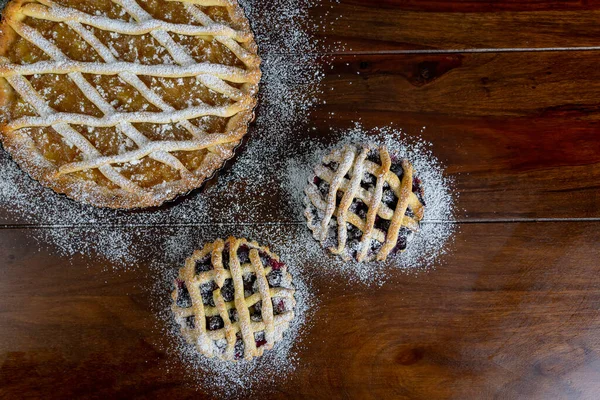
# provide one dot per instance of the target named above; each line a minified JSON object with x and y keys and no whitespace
{"x":455,"y":51}
{"x":284,"y":223}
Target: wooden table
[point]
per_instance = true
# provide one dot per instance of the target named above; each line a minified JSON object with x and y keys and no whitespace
{"x":510,"y":94}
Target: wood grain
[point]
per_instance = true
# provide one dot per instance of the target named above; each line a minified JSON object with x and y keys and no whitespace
{"x":511,"y":312}
{"x":475,"y":6}
{"x":518,"y":320}
{"x":397,"y":25}
{"x":517,"y":131}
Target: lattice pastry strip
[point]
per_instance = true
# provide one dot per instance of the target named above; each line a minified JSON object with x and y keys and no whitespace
{"x":363,"y":190}
{"x":239,"y":297}
{"x":238,"y":85}
{"x":126,"y":127}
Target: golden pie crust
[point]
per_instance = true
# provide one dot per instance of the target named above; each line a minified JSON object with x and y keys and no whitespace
{"x":233,"y":299}
{"x":125,"y":103}
{"x":364,"y":203}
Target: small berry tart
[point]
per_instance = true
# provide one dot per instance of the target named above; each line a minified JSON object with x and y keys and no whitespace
{"x":233,"y":299}
{"x":364,"y":203}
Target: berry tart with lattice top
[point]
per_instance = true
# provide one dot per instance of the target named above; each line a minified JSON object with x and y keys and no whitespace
{"x":233,"y":299}
{"x":364,"y":203}
{"x":125,"y":103}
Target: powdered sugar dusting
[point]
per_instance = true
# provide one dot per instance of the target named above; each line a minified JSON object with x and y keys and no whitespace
{"x":437,"y":226}
{"x":273,"y":166}
{"x":289,"y":89}
{"x":234,"y":379}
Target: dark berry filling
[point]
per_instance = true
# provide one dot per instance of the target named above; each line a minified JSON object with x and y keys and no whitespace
{"x":331,"y":240}
{"x":403,"y":236}
{"x":353,"y":247}
{"x":382,"y":223}
{"x":373,"y":156}
{"x":353,"y":232}
{"x":239,"y":349}
{"x":226,"y":257}
{"x":256,"y":312}
{"x":228,"y":291}
{"x":368,"y":181}
{"x":332,"y":166}
{"x":221,"y":345}
{"x":244,"y":254}
{"x":322,"y":186}
{"x":359,"y":208}
{"x":249,"y":280}
{"x":264,"y":258}
{"x":203,"y":265}
{"x":278,"y":306}
{"x":275,"y":277}
{"x":183,"y":297}
{"x":397,"y":169}
{"x":206,"y":291}
{"x":400,"y":245}
{"x":259,"y":338}
{"x":374,"y":247}
{"x":338,"y":197}
{"x":276,"y":265}
{"x":233,"y":315}
{"x":315,"y":216}
{"x":417,"y":189}
{"x":190,"y":322}
{"x":388,"y":197}
{"x":214,"y":323}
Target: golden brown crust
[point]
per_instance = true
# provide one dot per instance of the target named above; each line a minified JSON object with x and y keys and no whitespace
{"x":344,"y":172}
{"x":29,"y":158}
{"x":258,"y":262}
{"x":7,"y":34}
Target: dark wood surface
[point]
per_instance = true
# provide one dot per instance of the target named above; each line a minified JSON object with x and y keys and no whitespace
{"x":510,"y":313}
{"x":398,"y":25}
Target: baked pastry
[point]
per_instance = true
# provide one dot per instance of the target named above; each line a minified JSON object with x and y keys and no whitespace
{"x":125,"y":103}
{"x":364,"y":203}
{"x":233,"y":299}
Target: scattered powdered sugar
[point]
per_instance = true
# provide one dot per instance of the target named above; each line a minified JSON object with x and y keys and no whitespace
{"x":437,"y":226}
{"x":269,"y":174}
{"x":234,"y":379}
{"x":289,"y":89}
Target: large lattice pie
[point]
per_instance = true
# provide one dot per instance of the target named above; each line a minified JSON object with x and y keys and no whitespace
{"x":364,"y":202}
{"x":125,"y":103}
{"x":233,"y":299}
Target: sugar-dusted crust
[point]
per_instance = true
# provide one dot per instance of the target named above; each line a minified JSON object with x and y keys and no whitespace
{"x":233,"y":260}
{"x":220,"y":146}
{"x":371,"y":197}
